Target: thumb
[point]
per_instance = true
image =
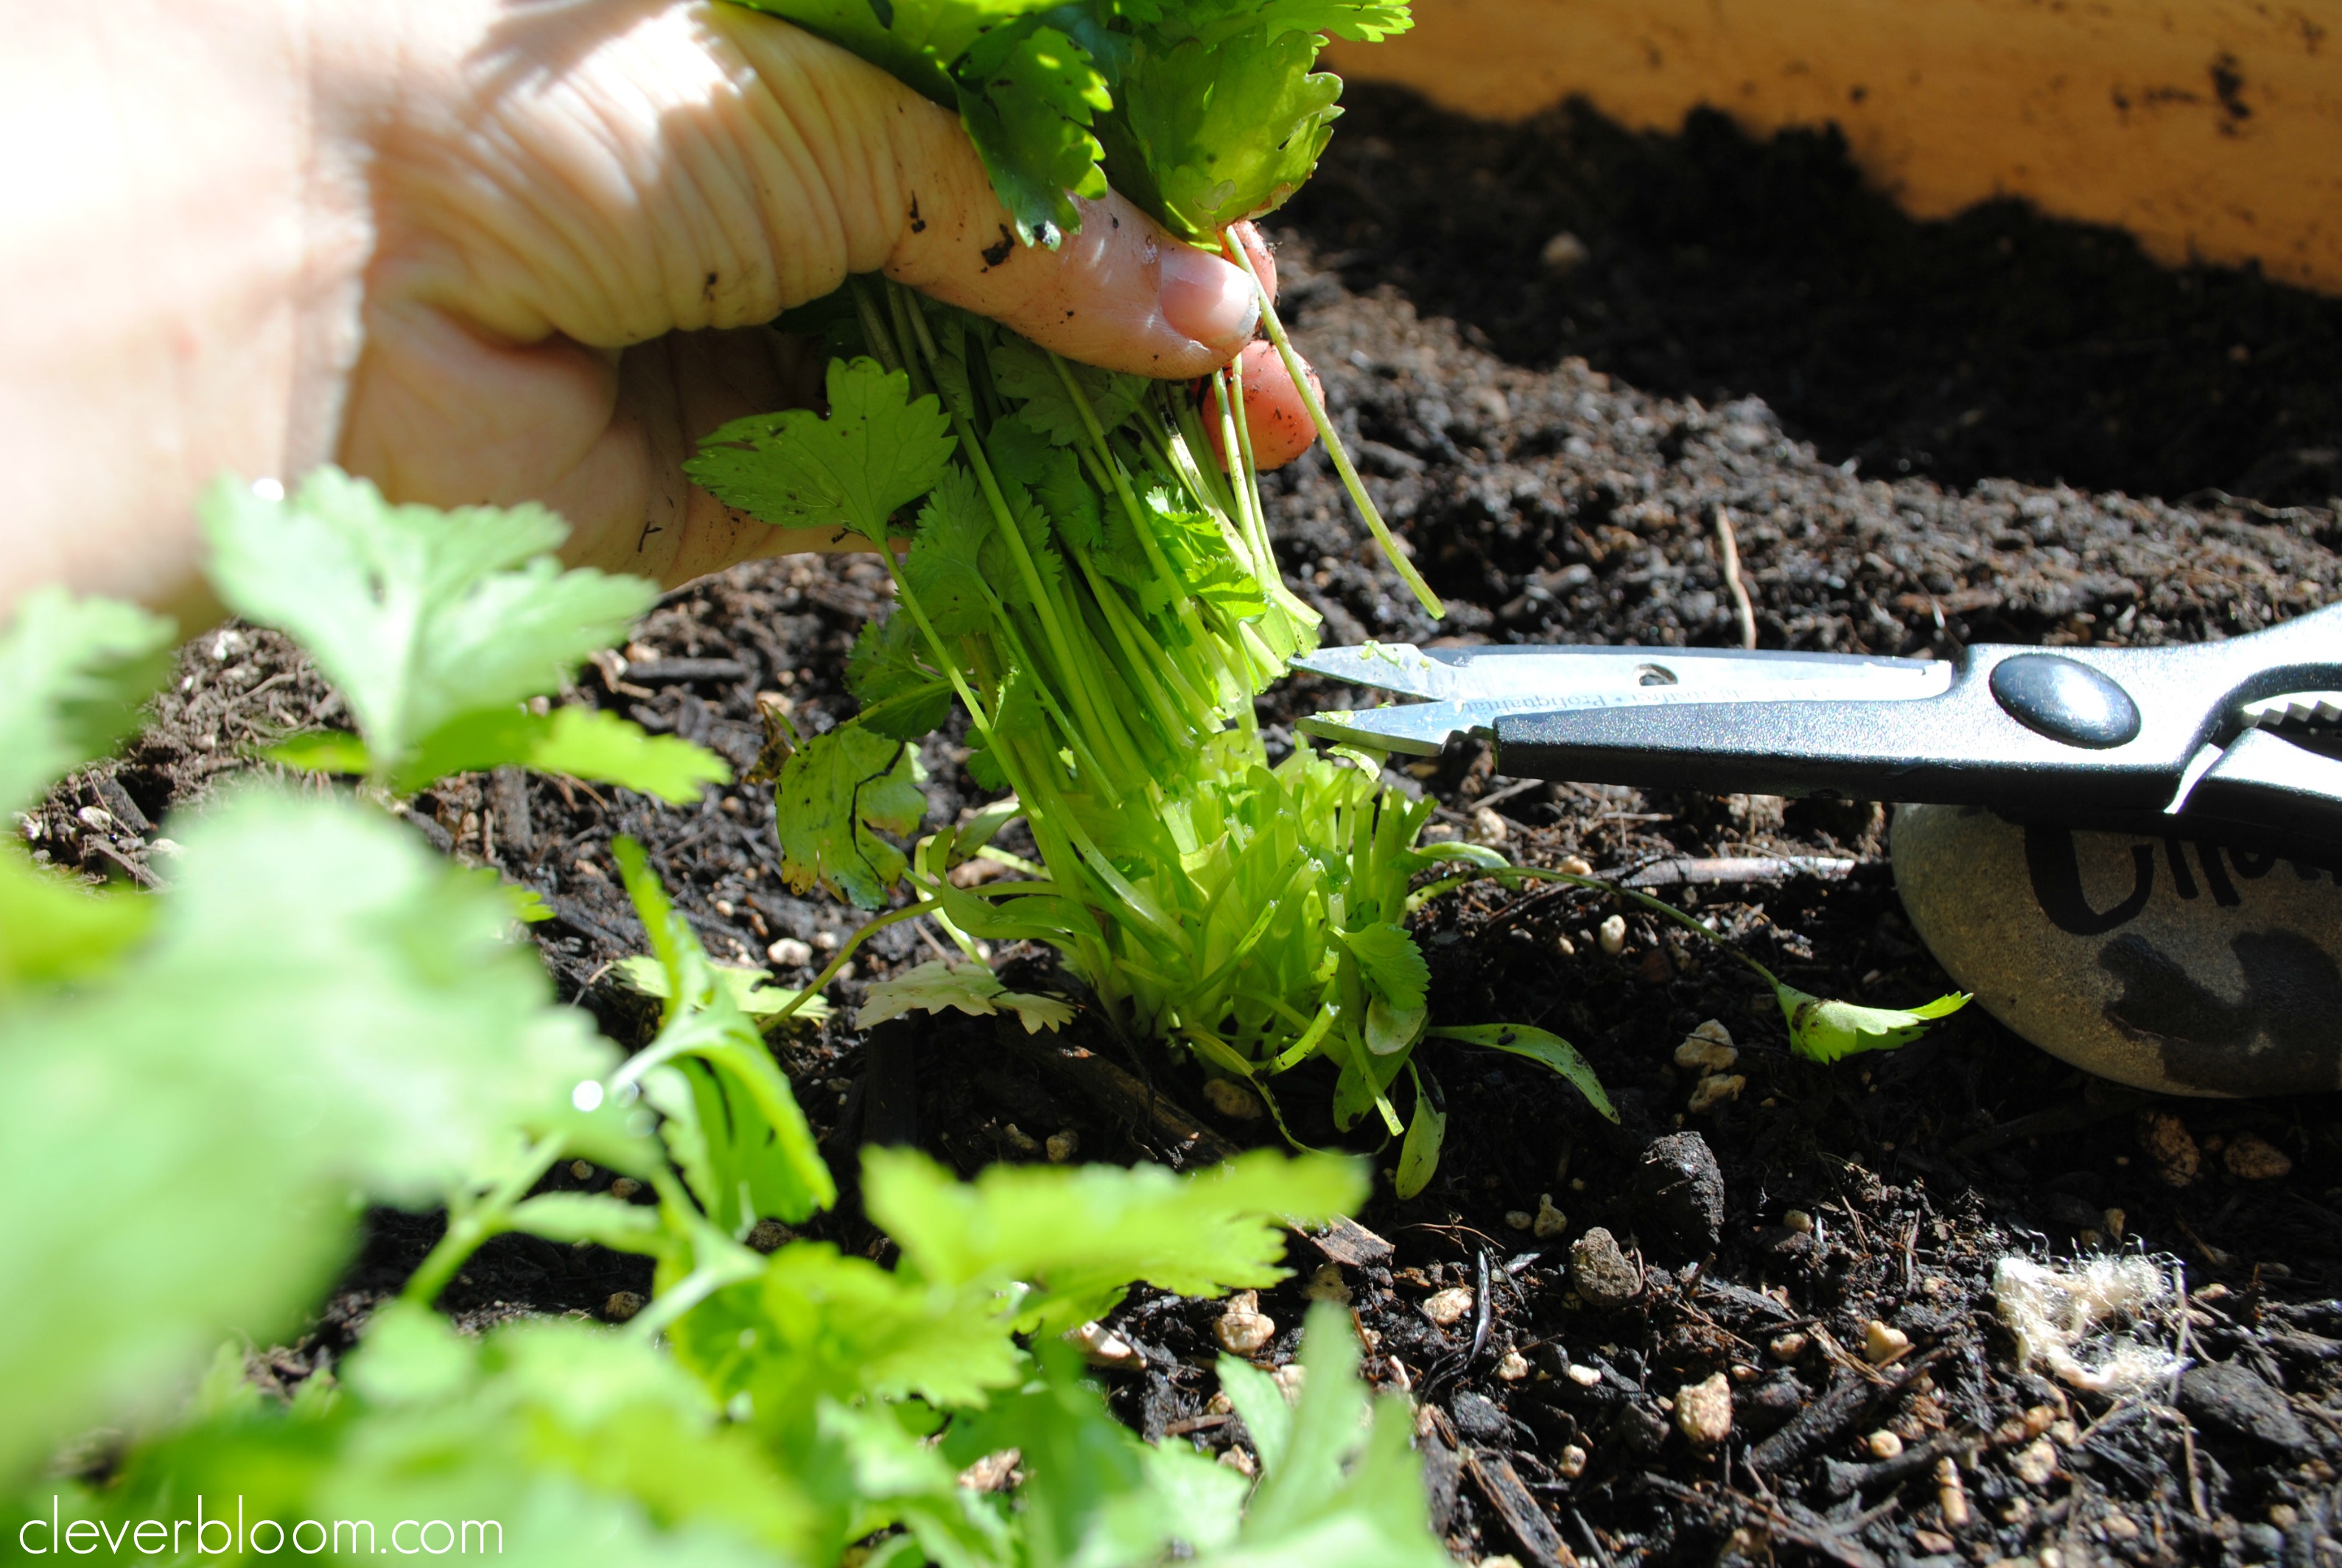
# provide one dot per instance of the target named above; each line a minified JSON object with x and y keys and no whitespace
{"x":1123,"y":292}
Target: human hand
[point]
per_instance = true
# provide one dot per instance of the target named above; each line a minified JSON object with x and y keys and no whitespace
{"x":480,"y":251}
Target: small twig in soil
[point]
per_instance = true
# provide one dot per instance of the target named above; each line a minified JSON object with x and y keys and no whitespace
{"x":1848,"y":1401}
{"x":1500,"y":1483}
{"x":2178,"y":1367}
{"x":1729,"y":546}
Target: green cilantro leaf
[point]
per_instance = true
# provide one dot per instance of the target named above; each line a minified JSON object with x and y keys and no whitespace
{"x":53,"y":929}
{"x":1427,"y":1131}
{"x":901,"y":697}
{"x":1023,"y":372}
{"x":1078,"y":1234}
{"x":324,"y":1013}
{"x":1094,"y":1492}
{"x":1822,"y":1031}
{"x":747,"y":988}
{"x":878,"y":450}
{"x":946,"y":567}
{"x":1200,"y":553}
{"x":583,"y":743}
{"x":828,"y":1325}
{"x":733,"y":1123}
{"x":1225,"y":130}
{"x":834,"y":791}
{"x":1027,"y":101}
{"x":556,"y":1441}
{"x":421,"y":617}
{"x":1537,"y":1045}
{"x":1338,"y":1485}
{"x":1395,"y":978}
{"x":971,"y":988}
{"x":73,"y":673}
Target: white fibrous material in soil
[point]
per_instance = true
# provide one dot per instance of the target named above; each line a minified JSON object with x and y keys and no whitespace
{"x":2057,"y":1316}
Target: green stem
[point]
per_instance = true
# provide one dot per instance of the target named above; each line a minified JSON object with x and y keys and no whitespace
{"x":846,"y":951}
{"x":470,"y":1224}
{"x":1333,"y":447}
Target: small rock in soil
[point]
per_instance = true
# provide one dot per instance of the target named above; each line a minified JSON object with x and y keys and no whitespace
{"x":1571,"y":1461}
{"x":1448,"y":1307}
{"x":1643,"y":1430}
{"x":1232,"y":1100}
{"x":1679,"y":1196}
{"x":1477,"y":1420}
{"x":1882,"y":1343}
{"x":1614,"y":935}
{"x":1244,"y":1328}
{"x":1715,"y":1090}
{"x":1550,"y":1221}
{"x":1704,"y":1410}
{"x":1513,"y":1367}
{"x":2252,"y":1158}
{"x":1327,"y":1284}
{"x":621,"y":1306}
{"x":2169,"y":1143}
{"x":1602,"y":1274}
{"x":2036,"y":1464}
{"x":2229,"y":1398}
{"x":1766,"y":1405}
{"x":1104,"y":1347}
{"x":1707,"y":1049}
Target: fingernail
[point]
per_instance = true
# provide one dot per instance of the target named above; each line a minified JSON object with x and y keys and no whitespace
{"x":1207,"y":299}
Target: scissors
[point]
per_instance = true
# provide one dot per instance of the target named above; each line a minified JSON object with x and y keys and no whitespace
{"x":2241,"y":738}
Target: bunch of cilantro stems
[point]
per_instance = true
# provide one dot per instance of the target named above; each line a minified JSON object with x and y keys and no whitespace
{"x":1088,"y":574}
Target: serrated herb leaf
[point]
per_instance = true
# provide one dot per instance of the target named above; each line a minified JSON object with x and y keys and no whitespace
{"x":836,"y":794}
{"x":1028,"y":99}
{"x":878,"y":450}
{"x":73,"y":673}
{"x":1023,"y":372}
{"x":1827,"y":1031}
{"x":420,"y":618}
{"x":1228,"y":129}
{"x":1344,"y":1485}
{"x":1078,"y":1234}
{"x":53,"y":929}
{"x":747,"y":987}
{"x":970,"y":988}
{"x":316,"y":973}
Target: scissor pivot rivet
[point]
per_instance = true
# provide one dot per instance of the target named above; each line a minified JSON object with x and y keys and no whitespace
{"x":2066,"y":700}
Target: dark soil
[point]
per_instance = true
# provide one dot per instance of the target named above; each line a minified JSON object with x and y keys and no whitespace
{"x":1554,"y":500}
{"x":1996,"y":344}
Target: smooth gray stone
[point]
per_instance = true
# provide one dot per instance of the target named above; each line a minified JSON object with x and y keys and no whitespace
{"x":2171,"y":964}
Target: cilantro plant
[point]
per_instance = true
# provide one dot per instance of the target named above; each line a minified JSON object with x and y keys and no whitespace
{"x":1203,"y":111}
{"x":1085,"y":572}
{"x":1099,"y":594}
{"x":201,"y":1088}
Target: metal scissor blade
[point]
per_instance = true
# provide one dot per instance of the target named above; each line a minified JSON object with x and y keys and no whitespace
{"x":1422,"y":729}
{"x":1557,"y":676}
